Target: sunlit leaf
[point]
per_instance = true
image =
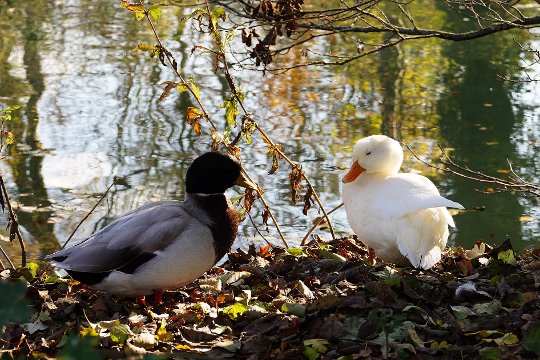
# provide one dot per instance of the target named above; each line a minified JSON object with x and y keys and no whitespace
{"x":526,"y":218}
{"x":135,"y":7}
{"x":216,"y":14}
{"x":231,"y":110}
{"x":155,"y":12}
{"x":146,"y":47}
{"x":9,"y":137}
{"x":194,"y":116}
{"x":139,"y":15}
{"x":120,"y":333}
{"x":507,"y":257}
{"x":295,"y":251}
{"x":235,"y":310}
{"x":33,"y":269}
{"x":477,"y":250}
{"x":163,"y":334}
{"x":89,"y":331}
{"x":195,"y":90}
{"x":181,"y":88}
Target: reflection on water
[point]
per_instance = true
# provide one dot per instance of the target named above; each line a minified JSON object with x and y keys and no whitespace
{"x":89,"y":114}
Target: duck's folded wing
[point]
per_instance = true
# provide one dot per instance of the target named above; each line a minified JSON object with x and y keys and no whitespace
{"x":409,"y":193}
{"x":127,"y":242}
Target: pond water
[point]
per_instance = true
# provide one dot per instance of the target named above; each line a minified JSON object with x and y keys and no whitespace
{"x":89,"y":113}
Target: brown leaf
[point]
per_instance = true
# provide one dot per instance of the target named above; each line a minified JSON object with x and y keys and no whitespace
{"x":249,"y":198}
{"x":308,"y":200}
{"x":170,"y":85}
{"x":332,"y":328}
{"x":265,"y":217}
{"x":295,"y":177}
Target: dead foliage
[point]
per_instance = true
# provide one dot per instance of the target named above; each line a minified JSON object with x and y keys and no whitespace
{"x":323,"y":301}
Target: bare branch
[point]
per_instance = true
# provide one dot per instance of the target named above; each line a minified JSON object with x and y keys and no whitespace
{"x":516,"y":184}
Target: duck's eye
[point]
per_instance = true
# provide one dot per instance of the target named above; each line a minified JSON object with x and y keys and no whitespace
{"x":368,"y":153}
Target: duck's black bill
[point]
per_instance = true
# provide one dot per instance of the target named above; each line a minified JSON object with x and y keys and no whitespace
{"x":245,"y":182}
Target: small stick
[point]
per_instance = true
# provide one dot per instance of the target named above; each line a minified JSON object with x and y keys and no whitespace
{"x":116,"y":178}
{"x":7,"y":258}
{"x":257,"y":229}
{"x":14,"y":222}
{"x":317,"y":224}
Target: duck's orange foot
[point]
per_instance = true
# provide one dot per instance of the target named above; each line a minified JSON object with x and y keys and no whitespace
{"x":371,"y":255}
{"x":141,"y":300}
{"x":157,"y":299}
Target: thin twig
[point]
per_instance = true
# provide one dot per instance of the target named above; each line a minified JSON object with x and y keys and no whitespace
{"x":7,"y":258}
{"x":13,"y":223}
{"x":115,"y":180}
{"x":317,"y":224}
{"x":304,"y":176}
{"x":257,"y":229}
{"x":504,"y":185}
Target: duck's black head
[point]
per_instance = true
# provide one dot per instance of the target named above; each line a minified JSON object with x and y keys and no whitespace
{"x":213,"y":173}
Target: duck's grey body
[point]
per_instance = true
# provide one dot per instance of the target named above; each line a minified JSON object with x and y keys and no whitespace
{"x":166,"y":244}
{"x":163,"y":244}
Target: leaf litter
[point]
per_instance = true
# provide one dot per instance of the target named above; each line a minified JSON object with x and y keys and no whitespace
{"x":327,"y":300}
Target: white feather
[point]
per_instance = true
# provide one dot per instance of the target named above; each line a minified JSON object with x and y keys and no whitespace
{"x":397,"y":214}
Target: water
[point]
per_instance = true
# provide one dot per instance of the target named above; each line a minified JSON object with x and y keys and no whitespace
{"x":90,"y":112}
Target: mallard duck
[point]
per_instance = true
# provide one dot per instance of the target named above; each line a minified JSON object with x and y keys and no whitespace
{"x":165,"y":244}
{"x":398,"y":215}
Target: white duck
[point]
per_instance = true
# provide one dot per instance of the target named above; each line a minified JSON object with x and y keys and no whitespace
{"x":165,"y":244}
{"x":398,"y":215}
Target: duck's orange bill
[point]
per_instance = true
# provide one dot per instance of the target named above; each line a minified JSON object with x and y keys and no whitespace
{"x":353,"y":172}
